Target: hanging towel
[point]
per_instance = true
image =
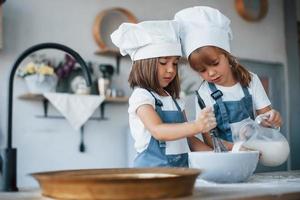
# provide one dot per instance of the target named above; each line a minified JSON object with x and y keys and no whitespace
{"x":77,"y":109}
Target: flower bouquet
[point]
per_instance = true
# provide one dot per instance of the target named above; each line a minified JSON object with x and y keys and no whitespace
{"x":39,"y":76}
{"x":42,"y":75}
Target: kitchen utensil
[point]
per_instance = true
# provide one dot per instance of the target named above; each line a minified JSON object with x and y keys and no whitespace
{"x":124,"y":183}
{"x":103,"y":86}
{"x":229,"y":167}
{"x":270,"y":142}
{"x":105,"y":80}
{"x":82,"y":145}
{"x":217,"y":143}
{"x":107,"y":70}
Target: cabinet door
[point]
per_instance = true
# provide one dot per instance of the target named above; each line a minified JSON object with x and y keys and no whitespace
{"x":272,"y":77}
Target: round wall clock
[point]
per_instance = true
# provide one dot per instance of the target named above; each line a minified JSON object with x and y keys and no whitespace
{"x":252,"y":10}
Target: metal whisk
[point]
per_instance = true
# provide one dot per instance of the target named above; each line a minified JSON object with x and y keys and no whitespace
{"x":217,"y":143}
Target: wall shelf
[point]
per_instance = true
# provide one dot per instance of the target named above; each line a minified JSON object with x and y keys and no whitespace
{"x":45,"y":101}
{"x":40,"y":97}
{"x":108,"y":16}
{"x":112,"y":53}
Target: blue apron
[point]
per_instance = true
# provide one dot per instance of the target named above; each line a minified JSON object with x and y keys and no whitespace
{"x":155,"y":154}
{"x":228,"y":112}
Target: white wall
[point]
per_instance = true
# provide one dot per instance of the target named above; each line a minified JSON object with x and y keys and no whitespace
{"x":52,"y":144}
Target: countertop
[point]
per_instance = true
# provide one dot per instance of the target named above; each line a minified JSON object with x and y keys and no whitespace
{"x":283,"y":185}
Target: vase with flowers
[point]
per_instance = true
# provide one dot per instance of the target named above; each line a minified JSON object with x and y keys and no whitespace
{"x":40,"y":76}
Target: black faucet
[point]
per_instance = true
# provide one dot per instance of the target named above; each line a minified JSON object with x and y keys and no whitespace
{"x":8,"y":156}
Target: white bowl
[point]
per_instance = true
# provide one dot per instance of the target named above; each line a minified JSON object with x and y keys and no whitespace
{"x":229,"y":167}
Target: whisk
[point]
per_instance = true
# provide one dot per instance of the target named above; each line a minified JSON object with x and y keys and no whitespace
{"x":217,"y":143}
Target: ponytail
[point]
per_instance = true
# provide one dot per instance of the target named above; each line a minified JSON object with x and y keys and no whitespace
{"x":240,"y":73}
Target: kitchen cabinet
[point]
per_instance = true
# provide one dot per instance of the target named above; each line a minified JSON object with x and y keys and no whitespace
{"x":271,"y":185}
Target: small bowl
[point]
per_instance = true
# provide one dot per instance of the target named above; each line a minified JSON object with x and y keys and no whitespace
{"x":225,"y":167}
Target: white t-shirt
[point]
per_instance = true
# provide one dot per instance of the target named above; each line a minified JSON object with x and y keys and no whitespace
{"x":235,"y":93}
{"x":140,"y":134}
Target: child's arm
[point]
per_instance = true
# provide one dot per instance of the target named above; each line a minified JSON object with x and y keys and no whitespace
{"x":207,"y":139}
{"x":196,"y":144}
{"x":173,"y":131}
{"x":273,"y":117}
{"x":227,"y":144}
{"x":261,"y":101}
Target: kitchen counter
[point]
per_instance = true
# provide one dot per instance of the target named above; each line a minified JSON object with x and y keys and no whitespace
{"x":283,"y":185}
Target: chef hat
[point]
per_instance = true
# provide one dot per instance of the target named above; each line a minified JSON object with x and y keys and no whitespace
{"x":148,"y":39}
{"x":203,"y":26}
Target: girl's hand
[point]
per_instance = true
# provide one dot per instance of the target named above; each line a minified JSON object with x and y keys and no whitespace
{"x":271,"y":118}
{"x":206,"y":120}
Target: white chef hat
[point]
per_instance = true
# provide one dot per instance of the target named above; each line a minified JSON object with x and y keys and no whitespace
{"x":148,"y":39}
{"x":203,"y":26}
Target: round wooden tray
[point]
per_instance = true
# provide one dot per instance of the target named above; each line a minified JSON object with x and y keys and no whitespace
{"x":248,"y":13}
{"x":98,"y":25}
{"x":124,"y":183}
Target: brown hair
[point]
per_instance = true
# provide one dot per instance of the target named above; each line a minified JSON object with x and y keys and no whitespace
{"x":144,"y":74}
{"x":240,"y":73}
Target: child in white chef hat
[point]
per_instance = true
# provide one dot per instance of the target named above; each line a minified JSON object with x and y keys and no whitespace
{"x":235,"y":93}
{"x":156,"y":114}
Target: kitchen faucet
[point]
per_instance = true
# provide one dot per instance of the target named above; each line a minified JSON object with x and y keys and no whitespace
{"x":8,"y":156}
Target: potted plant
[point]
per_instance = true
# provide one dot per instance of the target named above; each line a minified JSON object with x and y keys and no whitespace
{"x":40,"y":76}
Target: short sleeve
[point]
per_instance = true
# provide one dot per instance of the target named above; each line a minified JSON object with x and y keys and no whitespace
{"x":140,"y":97}
{"x":260,"y":98}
